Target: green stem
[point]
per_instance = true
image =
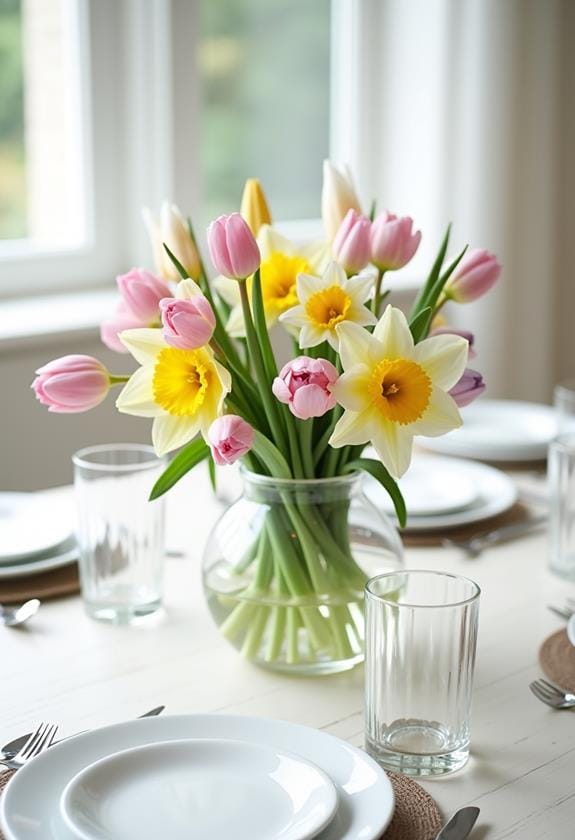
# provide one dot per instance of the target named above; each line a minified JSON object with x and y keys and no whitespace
{"x":305,"y":439}
{"x":376,"y":303}
{"x":117,"y":380}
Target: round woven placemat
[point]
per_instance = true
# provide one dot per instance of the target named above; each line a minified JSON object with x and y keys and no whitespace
{"x":416,"y":815}
{"x":557,"y":658}
{"x":52,"y":584}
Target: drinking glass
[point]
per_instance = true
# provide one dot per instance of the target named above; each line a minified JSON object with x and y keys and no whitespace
{"x":564,"y":401}
{"x":561,"y":478}
{"x":420,"y":652}
{"x":120,"y":533}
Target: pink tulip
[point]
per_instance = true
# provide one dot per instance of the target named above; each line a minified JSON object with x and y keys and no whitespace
{"x":72,"y":384}
{"x":142,"y":292}
{"x":477,"y":272}
{"x":469,"y":387}
{"x":351,"y":246}
{"x":230,"y":438}
{"x":233,"y":249}
{"x":393,"y":242}
{"x":468,"y":336}
{"x":305,"y":385}
{"x":187,"y":323}
{"x":112,"y":327}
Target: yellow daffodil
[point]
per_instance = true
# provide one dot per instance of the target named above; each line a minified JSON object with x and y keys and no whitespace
{"x":254,"y":207}
{"x":326,"y":302}
{"x":282,"y":262}
{"x":183,"y":390}
{"x":393,"y":389}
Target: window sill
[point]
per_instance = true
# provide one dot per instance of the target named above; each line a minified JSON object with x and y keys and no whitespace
{"x":32,"y":321}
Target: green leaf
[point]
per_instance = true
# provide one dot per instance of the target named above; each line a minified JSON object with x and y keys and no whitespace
{"x":421,"y":300}
{"x":419,"y":325}
{"x":262,"y":327}
{"x":440,"y":283}
{"x":271,"y":456}
{"x":373,"y":210}
{"x":212,"y":472}
{"x":184,"y":461}
{"x":178,"y":266}
{"x":378,"y":471}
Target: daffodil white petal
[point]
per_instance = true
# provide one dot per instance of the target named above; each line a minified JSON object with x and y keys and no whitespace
{"x":394,"y":333}
{"x":187,"y":289}
{"x":443,"y":357}
{"x":351,"y":429}
{"x":144,"y":344}
{"x":360,"y":286}
{"x":295,"y":316}
{"x":351,"y":389}
{"x":270,"y":242}
{"x":334,"y":275}
{"x":169,"y":432}
{"x":361,"y":315}
{"x":311,"y":336}
{"x":357,"y":346}
{"x":393,"y":443}
{"x":441,"y":415}
{"x":228,"y":289}
{"x":318,"y":255}
{"x":137,"y":395}
{"x":308,"y":285}
{"x":235,"y":326}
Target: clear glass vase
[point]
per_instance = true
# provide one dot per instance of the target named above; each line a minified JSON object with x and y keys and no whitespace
{"x":285,"y":567}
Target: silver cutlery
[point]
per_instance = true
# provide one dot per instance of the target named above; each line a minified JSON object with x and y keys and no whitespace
{"x":13,"y":616}
{"x":10,"y":749}
{"x":474,"y":546}
{"x":34,"y":745}
{"x":460,"y":824}
{"x":551,"y":695}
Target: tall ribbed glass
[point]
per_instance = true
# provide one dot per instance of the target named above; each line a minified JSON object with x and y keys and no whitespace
{"x":421,"y":637}
{"x":120,"y":533}
{"x":561,"y":477}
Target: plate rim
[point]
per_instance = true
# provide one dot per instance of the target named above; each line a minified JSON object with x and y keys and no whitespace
{"x":385,"y":796}
{"x":34,"y":499}
{"x":332,"y":803}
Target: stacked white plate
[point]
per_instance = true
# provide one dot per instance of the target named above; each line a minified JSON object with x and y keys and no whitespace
{"x":196,"y":777}
{"x":35,"y":534}
{"x":442,"y":493}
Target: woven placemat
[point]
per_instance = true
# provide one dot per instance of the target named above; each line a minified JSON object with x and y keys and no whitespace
{"x":518,"y":513}
{"x":557,"y":658}
{"x":52,"y":584}
{"x":416,"y":816}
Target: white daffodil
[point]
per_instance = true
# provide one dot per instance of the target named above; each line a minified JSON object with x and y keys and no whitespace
{"x":282,"y":261}
{"x":326,"y":302}
{"x":393,"y":389}
{"x":183,"y":390}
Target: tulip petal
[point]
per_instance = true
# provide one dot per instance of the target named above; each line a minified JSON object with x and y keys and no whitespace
{"x":137,"y":395}
{"x":352,"y":428}
{"x":169,"y":432}
{"x":394,"y":333}
{"x":441,"y":416}
{"x":351,"y":389}
{"x":443,"y":358}
{"x":393,"y":443}
{"x":357,"y":346}
{"x":144,"y":344}
{"x":187,"y":289}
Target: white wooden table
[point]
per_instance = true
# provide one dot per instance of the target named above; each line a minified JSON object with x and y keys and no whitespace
{"x":67,"y":668}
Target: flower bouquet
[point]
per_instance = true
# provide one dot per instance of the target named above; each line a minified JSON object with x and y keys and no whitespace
{"x":288,"y":591}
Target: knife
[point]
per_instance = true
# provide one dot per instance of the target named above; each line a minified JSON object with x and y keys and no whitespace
{"x":459,"y":825}
{"x":9,"y":750}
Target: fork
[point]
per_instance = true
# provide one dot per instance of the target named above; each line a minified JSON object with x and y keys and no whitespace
{"x":474,"y":546}
{"x":551,"y":695}
{"x":36,"y":743}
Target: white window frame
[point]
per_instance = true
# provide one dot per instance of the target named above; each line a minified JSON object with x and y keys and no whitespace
{"x":140,"y":105}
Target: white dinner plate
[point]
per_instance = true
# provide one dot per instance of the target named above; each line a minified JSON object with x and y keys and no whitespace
{"x":495,"y":492}
{"x":434,"y":486}
{"x":29,"y":807}
{"x":64,"y":555}
{"x":199,"y":789}
{"x":30,"y":524}
{"x":499,"y":430}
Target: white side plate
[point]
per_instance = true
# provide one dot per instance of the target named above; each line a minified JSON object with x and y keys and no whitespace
{"x":31,"y":523}
{"x":29,"y":807}
{"x":66,"y":554}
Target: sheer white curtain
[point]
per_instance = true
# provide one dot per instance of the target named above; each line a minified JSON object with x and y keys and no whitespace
{"x":464,"y":111}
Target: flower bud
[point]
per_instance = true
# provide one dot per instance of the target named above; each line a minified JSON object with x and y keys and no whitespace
{"x":393,"y":242}
{"x":187,"y":323}
{"x":305,"y":385}
{"x":469,"y":387}
{"x":477,"y":272}
{"x":142,"y":292}
{"x":254,"y":208}
{"x":337,"y":197}
{"x":230,"y":437}
{"x":233,"y":249}
{"x":72,"y":384}
{"x":172,"y":230}
{"x":351,"y":246}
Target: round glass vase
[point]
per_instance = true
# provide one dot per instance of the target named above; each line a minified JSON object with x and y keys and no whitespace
{"x":284,"y":571}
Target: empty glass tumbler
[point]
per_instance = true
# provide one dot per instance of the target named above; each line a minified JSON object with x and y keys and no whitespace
{"x":561,"y":477}
{"x":120,"y":533}
{"x":420,"y":652}
{"x":564,"y":402}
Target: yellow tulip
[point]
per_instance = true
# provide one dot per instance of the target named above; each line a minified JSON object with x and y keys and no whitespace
{"x":254,"y":207}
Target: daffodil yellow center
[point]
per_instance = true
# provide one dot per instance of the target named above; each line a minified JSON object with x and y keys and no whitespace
{"x":181,"y":380}
{"x":400,"y":389}
{"x":328,"y":308}
{"x":279,"y":276}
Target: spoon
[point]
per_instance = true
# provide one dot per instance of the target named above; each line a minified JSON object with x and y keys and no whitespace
{"x":13,"y":616}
